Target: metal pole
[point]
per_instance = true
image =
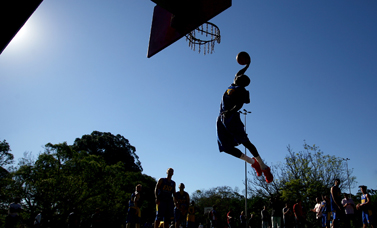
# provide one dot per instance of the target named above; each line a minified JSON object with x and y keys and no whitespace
{"x":348,"y":176}
{"x":245,"y":112}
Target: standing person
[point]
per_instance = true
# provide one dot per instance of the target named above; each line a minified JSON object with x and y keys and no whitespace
{"x":230,"y":218}
{"x":13,"y":218}
{"x":251,"y":221}
{"x":230,"y":129}
{"x":335,"y":201}
{"x":288,"y":216}
{"x":299,"y":214}
{"x":181,"y":202}
{"x":276,"y":213}
{"x":191,"y":215}
{"x":164,"y":190}
{"x":134,"y":212}
{"x":242,"y":220}
{"x":326,"y":211}
{"x":265,"y":218}
{"x":349,"y":211}
{"x":317,"y":211}
{"x":366,"y":212}
{"x":213,"y":217}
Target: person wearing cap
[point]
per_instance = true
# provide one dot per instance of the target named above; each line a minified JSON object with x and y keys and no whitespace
{"x":230,"y":129}
{"x":364,"y":206}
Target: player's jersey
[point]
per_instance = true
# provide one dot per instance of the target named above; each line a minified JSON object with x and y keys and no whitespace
{"x":166,"y":190}
{"x":323,"y":207}
{"x":182,"y":200}
{"x":232,"y":96}
{"x":364,"y":200}
{"x":337,"y":196}
{"x":131,"y":202}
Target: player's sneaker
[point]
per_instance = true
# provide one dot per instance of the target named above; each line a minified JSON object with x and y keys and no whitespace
{"x":257,"y":168}
{"x":268,"y":175}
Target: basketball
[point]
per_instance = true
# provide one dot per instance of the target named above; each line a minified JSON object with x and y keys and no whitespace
{"x":243,"y":58}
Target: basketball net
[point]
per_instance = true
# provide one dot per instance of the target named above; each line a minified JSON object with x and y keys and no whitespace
{"x":210,"y":33}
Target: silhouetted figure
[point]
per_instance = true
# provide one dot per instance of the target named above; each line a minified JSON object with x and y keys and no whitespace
{"x":230,"y":129}
{"x":164,"y":190}
{"x":335,"y":201}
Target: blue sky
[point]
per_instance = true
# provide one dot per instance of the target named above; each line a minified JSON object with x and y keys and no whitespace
{"x":80,"y":66}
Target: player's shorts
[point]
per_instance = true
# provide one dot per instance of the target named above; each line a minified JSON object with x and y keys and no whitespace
{"x":366,"y":217}
{"x":230,"y":132}
{"x":165,"y":211}
{"x":335,"y":215}
{"x":134,"y":215}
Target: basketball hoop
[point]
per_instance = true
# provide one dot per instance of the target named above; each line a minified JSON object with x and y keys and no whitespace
{"x":211,"y":34}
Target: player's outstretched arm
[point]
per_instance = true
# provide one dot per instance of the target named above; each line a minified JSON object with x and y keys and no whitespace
{"x":243,"y":70}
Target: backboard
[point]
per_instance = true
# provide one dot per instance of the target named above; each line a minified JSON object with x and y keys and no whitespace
{"x":13,"y":15}
{"x":173,"y":19}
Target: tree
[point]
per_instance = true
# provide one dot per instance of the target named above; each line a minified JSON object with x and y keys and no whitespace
{"x":6,"y":158}
{"x":223,"y":197}
{"x":113,"y":148}
{"x":99,"y":171}
{"x":306,"y":175}
{"x":62,"y":179}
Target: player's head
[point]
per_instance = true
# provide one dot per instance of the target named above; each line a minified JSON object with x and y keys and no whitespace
{"x":363,"y":189}
{"x":138,"y":187}
{"x":170,"y":172}
{"x":336,"y":182}
{"x":181,"y":186}
{"x":242,"y":80}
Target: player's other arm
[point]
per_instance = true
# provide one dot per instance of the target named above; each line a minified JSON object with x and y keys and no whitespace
{"x":156,"y":189}
{"x":188,"y":199}
{"x":175,"y":200}
{"x":174,"y":190}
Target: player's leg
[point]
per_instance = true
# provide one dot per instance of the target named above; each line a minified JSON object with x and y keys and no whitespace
{"x":160,"y":213}
{"x":238,"y":154}
{"x":264,"y":168}
{"x":138,"y":218}
{"x":177,"y":217}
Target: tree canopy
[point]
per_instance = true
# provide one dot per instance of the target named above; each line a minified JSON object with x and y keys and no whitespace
{"x":90,"y":174}
{"x":113,"y":148}
{"x":305,"y":175}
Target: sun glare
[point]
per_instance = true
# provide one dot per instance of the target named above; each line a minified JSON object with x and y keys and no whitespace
{"x":26,"y":37}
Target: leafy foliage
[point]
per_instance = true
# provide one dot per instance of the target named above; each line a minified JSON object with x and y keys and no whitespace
{"x":62,"y":179}
{"x":306,"y":175}
{"x":6,"y":158}
{"x":113,"y":148}
{"x":223,"y":198}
